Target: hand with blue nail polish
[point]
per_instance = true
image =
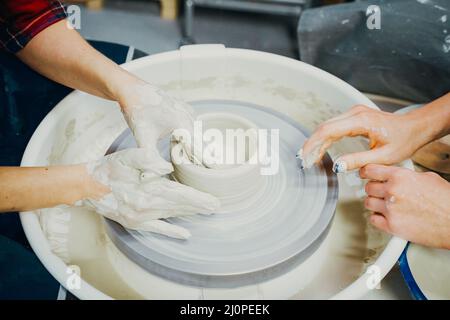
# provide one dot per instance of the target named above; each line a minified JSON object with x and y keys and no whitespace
{"x":392,"y":137}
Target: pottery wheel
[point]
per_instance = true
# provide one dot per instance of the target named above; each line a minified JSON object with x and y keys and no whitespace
{"x":259,"y":240}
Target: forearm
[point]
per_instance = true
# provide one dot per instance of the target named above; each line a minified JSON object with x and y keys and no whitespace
{"x":24,"y":189}
{"x":433,"y":120}
{"x":61,"y":54}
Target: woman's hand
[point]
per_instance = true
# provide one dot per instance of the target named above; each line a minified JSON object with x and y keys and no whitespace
{"x":392,"y":138}
{"x":414,"y":206}
{"x":152,"y":114}
{"x":121,"y":194}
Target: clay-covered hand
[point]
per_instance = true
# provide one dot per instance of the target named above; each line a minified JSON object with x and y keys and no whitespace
{"x":392,"y":138}
{"x":152,"y":114}
{"x":414,"y":206}
{"x":138,"y":203}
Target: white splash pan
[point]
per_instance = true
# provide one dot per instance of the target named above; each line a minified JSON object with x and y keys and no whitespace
{"x":82,"y":127}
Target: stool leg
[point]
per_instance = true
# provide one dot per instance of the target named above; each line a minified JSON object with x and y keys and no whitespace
{"x":94,"y":4}
{"x":188,"y":32}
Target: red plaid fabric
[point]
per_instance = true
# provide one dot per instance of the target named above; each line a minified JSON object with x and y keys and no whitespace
{"x":21,"y":20}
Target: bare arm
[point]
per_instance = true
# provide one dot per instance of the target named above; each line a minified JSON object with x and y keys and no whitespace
{"x":24,"y":189}
{"x":111,"y":186}
{"x":436,"y":115}
{"x":61,"y":54}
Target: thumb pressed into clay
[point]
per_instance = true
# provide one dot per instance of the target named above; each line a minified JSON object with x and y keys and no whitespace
{"x":152,"y":164}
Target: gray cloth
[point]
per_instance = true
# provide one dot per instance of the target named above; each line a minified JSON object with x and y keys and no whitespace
{"x":407,"y":58}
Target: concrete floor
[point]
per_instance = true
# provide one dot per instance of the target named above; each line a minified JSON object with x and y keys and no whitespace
{"x":137,"y":23}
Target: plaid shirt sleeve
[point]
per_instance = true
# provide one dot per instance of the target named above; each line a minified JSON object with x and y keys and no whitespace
{"x":21,"y":20}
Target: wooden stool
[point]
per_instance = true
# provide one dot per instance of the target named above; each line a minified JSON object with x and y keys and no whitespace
{"x":169,"y":9}
{"x":90,"y":4}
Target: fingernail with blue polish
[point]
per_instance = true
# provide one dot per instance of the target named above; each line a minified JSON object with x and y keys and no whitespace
{"x":299,"y":162}
{"x":339,"y":166}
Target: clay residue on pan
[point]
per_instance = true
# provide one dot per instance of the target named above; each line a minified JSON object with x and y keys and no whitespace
{"x":239,"y":81}
{"x":354,"y":245}
{"x":61,"y":146}
{"x":204,"y":83}
{"x":285,"y":92}
{"x":354,"y":227}
{"x":309,"y":107}
{"x":93,"y":120}
{"x":376,"y":241}
{"x":173,"y":85}
{"x":73,"y":129}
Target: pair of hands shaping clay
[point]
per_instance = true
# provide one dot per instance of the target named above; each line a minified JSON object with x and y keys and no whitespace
{"x":140,"y":193}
